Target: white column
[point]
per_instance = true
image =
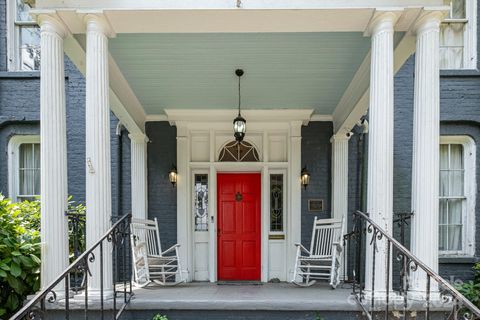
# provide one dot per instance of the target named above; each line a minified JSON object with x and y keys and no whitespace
{"x":53,"y":146}
{"x":425,"y":164}
{"x":340,"y":182}
{"x":340,"y":175}
{"x":380,"y":147}
{"x":138,"y":164}
{"x":98,"y":167}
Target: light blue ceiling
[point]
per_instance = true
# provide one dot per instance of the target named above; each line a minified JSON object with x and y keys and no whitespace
{"x":282,"y":70}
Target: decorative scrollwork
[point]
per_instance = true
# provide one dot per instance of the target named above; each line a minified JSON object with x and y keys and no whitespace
{"x":412,"y":265}
{"x":51,"y":296}
{"x":35,"y":314}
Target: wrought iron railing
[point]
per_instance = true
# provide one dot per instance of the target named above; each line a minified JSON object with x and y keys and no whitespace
{"x":436,"y":295}
{"x":116,"y":239}
{"x":77,"y":238}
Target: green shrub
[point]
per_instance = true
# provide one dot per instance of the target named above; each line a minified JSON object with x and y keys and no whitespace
{"x":471,"y":289}
{"x":20,"y":250}
{"x":19,"y":253}
{"x":160,"y":317}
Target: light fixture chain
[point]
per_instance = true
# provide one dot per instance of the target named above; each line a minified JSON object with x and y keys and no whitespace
{"x":239,"y":95}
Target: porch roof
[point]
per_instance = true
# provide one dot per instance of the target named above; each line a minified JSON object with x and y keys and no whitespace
{"x":181,"y":54}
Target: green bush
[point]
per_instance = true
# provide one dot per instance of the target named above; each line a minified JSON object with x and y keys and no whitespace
{"x":19,"y":253}
{"x":160,"y":317}
{"x":20,"y":250}
{"x":471,"y":289}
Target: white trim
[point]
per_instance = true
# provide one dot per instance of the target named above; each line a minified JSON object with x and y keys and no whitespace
{"x":470,"y":188}
{"x":226,"y":115}
{"x":11,"y":36}
{"x":13,"y":161}
{"x":349,"y":111}
{"x":470,"y":37}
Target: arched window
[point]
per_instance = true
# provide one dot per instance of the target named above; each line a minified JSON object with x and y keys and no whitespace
{"x":238,"y":152}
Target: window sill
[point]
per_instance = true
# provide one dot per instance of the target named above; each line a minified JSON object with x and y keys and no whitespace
{"x":20,"y":74}
{"x":445,"y":73}
{"x":458,"y":259}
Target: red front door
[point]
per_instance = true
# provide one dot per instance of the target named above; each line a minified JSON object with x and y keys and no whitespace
{"x":238,"y":226}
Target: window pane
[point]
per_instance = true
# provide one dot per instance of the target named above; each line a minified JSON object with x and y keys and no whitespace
{"x":444,"y":156}
{"x":456,"y":156}
{"x":29,"y":169}
{"x":443,"y":211}
{"x":455,"y":188}
{"x":23,"y":8}
{"x":276,"y":202}
{"x":443,"y":239}
{"x":455,"y":238}
{"x":444,"y":183}
{"x":451,"y":45}
{"x":455,"y":211}
{"x":29,"y":48}
{"x":201,"y":202}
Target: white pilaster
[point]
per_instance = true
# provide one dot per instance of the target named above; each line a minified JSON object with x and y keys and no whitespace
{"x":340,"y":175}
{"x":380,"y":146}
{"x":426,"y":135}
{"x":294,"y":217}
{"x":139,"y":175}
{"x":98,"y":166}
{"x":53,"y":146}
{"x":184,"y":219}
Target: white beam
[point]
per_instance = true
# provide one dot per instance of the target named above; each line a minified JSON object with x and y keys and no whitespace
{"x":128,"y":111}
{"x":354,"y":102}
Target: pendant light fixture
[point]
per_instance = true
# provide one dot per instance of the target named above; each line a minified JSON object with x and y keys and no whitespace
{"x":239,"y":123}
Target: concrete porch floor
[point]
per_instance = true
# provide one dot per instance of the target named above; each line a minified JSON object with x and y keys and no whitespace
{"x":267,"y":296}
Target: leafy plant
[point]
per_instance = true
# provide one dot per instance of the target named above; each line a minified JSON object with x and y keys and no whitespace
{"x":19,"y":253}
{"x":20,"y":249}
{"x":471,"y":289}
{"x":160,"y":317}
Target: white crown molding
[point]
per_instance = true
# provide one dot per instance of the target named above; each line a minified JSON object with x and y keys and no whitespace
{"x":205,"y":115}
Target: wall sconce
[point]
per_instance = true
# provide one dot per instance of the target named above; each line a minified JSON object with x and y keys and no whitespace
{"x":305,"y":177}
{"x":172,"y":175}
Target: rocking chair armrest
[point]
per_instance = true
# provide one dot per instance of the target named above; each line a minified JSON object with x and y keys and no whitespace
{"x":299,"y":245}
{"x":338,"y":245}
{"x":172,"y":248}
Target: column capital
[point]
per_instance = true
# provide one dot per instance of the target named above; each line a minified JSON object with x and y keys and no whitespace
{"x":428,"y":21}
{"x":97,"y":22}
{"x":138,"y":137}
{"x":50,"y":23}
{"x":381,"y":21}
{"x":341,"y":137}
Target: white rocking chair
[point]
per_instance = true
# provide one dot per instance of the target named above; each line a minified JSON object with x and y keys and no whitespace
{"x":322,"y":261}
{"x":150,"y":263}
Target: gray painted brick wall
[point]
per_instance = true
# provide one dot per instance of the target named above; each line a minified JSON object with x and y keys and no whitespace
{"x":316,"y":155}
{"x":162,"y":196}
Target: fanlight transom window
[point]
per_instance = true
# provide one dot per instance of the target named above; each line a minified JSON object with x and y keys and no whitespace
{"x":238,"y":152}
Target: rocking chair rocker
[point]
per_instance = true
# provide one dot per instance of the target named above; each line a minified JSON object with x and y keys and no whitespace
{"x":150,"y":263}
{"x":322,"y":261}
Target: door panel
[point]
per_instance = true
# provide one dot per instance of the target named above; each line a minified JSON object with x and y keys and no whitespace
{"x":239,"y":229}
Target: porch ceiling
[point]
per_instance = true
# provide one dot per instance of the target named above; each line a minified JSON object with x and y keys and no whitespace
{"x":283,"y":70}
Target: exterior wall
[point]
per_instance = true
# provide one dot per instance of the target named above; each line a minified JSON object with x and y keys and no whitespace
{"x":317,"y":156}
{"x":460,"y":115}
{"x":162,"y":196}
